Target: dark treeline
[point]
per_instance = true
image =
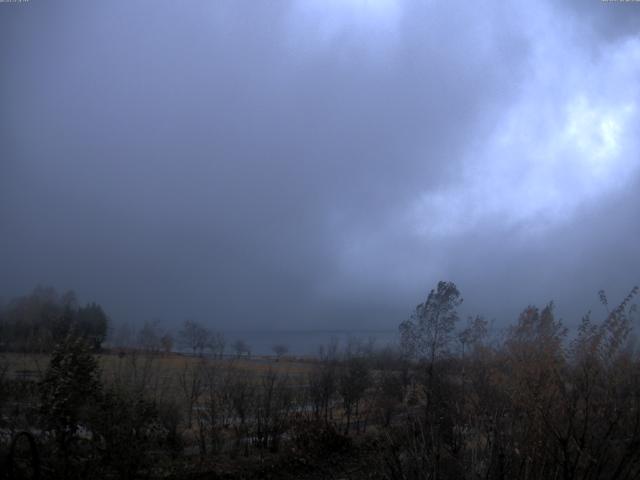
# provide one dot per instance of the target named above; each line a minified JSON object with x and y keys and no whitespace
{"x":39,"y":321}
{"x":540,"y":402}
{"x":535,"y":402}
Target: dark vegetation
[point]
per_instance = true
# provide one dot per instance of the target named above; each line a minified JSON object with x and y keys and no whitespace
{"x":41,"y":320}
{"x":534,"y":401}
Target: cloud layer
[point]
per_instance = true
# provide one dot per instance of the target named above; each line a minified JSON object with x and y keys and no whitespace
{"x":318,"y":164}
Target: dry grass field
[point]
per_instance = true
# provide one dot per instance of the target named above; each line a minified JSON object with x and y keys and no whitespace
{"x":160,"y":375}
{"x":33,"y":365}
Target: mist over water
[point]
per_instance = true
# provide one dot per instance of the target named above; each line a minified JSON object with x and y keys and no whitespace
{"x":308,"y":343}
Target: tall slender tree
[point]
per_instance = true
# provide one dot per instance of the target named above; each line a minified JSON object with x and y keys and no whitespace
{"x":430,"y":330}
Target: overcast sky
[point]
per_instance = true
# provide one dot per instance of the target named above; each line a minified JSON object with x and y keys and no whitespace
{"x":319,"y":164}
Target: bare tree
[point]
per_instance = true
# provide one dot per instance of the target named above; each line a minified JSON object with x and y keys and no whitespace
{"x":429,"y":331}
{"x":241,"y":348}
{"x":280,"y":350}
{"x":323,"y":383}
{"x":217,"y":344}
{"x":353,"y":382}
{"x":273,"y":405}
{"x":148,"y":338}
{"x":216,"y":413}
{"x":242,"y":396}
{"x":122,"y":336}
{"x":473,"y":334}
{"x":194,"y":336}
{"x":166,"y":342}
{"x":191,"y":381}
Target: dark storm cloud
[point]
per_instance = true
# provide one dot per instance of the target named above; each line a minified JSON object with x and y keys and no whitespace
{"x":612,"y":20}
{"x":312,"y":164}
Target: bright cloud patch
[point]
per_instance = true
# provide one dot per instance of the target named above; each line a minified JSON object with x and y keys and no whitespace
{"x":551,"y":152}
{"x":595,"y":134}
{"x":329,"y":23}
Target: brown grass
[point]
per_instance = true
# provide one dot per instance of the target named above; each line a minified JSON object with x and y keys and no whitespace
{"x":38,"y":362}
